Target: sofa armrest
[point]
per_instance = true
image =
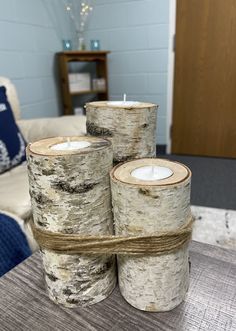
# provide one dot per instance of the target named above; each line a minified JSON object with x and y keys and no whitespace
{"x":35,"y":129}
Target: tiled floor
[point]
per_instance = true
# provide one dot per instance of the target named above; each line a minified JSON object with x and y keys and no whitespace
{"x":215,"y":226}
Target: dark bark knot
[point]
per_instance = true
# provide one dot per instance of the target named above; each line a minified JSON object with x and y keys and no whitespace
{"x":48,"y":172}
{"x":66,"y":187}
{"x":41,"y":199}
{"x":72,"y":301}
{"x":67,"y":291}
{"x":187,"y":185}
{"x":52,"y":277}
{"x":68,"y":230}
{"x":95,"y":130}
{"x":106,"y":266}
{"x":144,"y":126}
{"x":42,"y":224}
{"x":77,"y":301}
{"x":147,"y":193}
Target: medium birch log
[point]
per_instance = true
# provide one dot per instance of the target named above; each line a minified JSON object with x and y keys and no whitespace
{"x":70,"y":193}
{"x":131,"y":129}
{"x":152,"y":283}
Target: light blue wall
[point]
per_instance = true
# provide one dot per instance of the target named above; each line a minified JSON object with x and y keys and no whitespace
{"x":30,"y":34}
{"x":136,"y":32}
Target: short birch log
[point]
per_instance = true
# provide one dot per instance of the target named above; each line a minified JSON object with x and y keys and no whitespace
{"x":132,"y":130}
{"x":70,"y":193}
{"x":152,"y":283}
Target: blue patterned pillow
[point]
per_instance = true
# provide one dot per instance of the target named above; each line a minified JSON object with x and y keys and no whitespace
{"x":12,"y":143}
{"x":14,"y":247}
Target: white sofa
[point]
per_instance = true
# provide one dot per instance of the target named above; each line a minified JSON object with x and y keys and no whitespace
{"x":14,"y":190}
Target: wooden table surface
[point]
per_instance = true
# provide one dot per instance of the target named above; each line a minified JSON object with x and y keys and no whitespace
{"x":209,"y":306}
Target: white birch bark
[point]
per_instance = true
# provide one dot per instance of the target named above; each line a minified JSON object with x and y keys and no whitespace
{"x":151,"y":283}
{"x":70,"y":193}
{"x":132,"y":130}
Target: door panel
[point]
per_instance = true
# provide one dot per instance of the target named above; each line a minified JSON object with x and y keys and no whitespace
{"x":204,"y":113}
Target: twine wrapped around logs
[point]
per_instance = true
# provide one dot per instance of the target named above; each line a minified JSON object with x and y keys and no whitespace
{"x":143,"y":207}
{"x":70,"y":194}
{"x":130,"y":128}
{"x":161,"y":243}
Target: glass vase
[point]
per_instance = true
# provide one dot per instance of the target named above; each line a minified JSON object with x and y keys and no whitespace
{"x":81,"y":42}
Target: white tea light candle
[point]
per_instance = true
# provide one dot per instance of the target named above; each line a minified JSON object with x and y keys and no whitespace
{"x":152,"y":173}
{"x":70,"y":145}
{"x":123,"y":103}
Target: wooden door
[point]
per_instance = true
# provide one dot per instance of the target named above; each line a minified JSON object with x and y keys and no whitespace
{"x":204,"y":113}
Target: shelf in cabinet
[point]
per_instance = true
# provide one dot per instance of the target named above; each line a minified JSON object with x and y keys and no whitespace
{"x":99,"y":59}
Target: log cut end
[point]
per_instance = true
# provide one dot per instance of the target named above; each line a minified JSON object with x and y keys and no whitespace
{"x":123,"y":173}
{"x":108,"y":104}
{"x":47,"y":146}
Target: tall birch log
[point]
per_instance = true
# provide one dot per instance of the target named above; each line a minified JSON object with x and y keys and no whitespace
{"x":70,"y":193}
{"x":131,"y":129}
{"x":152,"y":283}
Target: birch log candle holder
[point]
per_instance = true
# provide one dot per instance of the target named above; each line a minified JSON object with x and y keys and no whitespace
{"x":130,"y":126}
{"x":152,"y":197}
{"x":70,"y":194}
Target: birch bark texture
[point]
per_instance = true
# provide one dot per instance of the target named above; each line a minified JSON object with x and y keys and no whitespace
{"x":70,"y":193}
{"x":131,"y":129}
{"x":152,"y":283}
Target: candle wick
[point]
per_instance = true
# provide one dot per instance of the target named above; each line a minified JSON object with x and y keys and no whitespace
{"x":124,"y":97}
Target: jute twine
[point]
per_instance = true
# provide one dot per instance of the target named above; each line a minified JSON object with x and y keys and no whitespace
{"x":157,"y":244}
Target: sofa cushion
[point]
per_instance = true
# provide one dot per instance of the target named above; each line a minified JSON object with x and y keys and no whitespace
{"x":35,"y":129}
{"x":14,"y":192}
{"x":12,"y":143}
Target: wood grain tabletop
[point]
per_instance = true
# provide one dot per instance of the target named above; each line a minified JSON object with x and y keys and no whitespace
{"x":209,"y":306}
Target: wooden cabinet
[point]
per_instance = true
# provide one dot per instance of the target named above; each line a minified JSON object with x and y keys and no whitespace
{"x":98,"y":58}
